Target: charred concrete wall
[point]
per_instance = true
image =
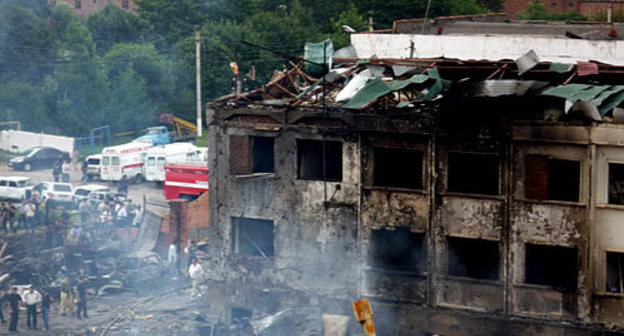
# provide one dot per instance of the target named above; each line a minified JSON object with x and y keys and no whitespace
{"x":514,"y":223}
{"x":311,"y":224}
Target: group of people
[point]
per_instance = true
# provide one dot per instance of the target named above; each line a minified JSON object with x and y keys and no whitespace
{"x":31,"y":299}
{"x":24,"y":215}
{"x":107,"y":215}
{"x":60,"y":170}
{"x":193,"y":268}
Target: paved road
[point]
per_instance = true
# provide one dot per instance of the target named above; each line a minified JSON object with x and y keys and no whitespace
{"x":135,"y":191}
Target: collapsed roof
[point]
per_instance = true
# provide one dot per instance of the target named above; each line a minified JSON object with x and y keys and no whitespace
{"x":586,"y":89}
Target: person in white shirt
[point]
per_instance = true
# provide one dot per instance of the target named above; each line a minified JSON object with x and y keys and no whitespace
{"x":65,"y":171}
{"x":138,"y":215}
{"x":172,"y":259}
{"x":31,"y":299}
{"x":29,"y":213}
{"x":196,"y":273}
{"x":122,"y":216}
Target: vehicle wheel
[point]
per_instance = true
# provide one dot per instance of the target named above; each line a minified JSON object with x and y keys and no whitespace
{"x":138,"y":179}
{"x":27,"y":167}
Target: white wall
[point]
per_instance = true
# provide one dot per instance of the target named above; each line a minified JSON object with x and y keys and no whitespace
{"x":19,"y":141}
{"x":488,"y":47}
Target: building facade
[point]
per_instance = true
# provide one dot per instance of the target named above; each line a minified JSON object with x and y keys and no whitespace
{"x":589,"y":8}
{"x":85,"y":8}
{"x":474,"y":216}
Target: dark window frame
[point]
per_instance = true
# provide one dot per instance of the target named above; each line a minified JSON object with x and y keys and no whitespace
{"x":252,"y":158}
{"x":310,"y":166}
{"x":78,"y":4}
{"x":614,"y":276}
{"x":387,"y":173}
{"x":484,"y":264}
{"x":256,"y":247}
{"x":543,"y":266}
{"x":554,"y":184}
{"x":615,"y":188}
{"x":398,"y":250}
{"x":455,"y":182}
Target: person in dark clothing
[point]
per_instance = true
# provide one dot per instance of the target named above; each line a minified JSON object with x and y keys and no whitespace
{"x":81,"y":289}
{"x":14,"y":299}
{"x":46,"y":301}
{"x":56,"y":170}
{"x":191,"y":250}
{"x":1,"y":310}
{"x":122,"y":187}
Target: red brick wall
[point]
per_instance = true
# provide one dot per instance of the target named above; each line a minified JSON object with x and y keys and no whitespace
{"x":88,"y":7}
{"x":591,"y":8}
{"x":240,"y":155}
{"x":514,"y":7}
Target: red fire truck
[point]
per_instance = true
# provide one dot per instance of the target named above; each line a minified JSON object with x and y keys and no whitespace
{"x":187,"y":180}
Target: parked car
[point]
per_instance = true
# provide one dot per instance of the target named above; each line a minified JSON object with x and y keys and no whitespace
{"x":37,"y":158}
{"x":57,"y":192}
{"x":93,"y":163}
{"x":83,"y":191}
{"x":15,"y":188}
{"x":97,"y":197}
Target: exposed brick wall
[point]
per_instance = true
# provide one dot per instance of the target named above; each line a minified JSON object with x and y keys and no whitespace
{"x":536,"y":177}
{"x":88,"y":7}
{"x":592,"y":8}
{"x":514,"y":7}
{"x":240,"y":155}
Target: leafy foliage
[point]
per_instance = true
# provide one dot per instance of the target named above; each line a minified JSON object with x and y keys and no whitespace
{"x":65,"y":74}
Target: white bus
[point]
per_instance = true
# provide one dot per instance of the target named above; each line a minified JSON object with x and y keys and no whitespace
{"x":124,"y":160}
{"x":158,"y":157}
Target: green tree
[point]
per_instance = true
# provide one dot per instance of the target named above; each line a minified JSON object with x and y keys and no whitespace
{"x":112,"y":25}
{"x":24,"y":102}
{"x":351,"y":18}
{"x":127,"y":105}
{"x":25,"y":45}
{"x":171,"y":20}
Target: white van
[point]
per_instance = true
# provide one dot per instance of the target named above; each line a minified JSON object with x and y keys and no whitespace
{"x":158,"y":157}
{"x":93,"y":163}
{"x":15,"y":188}
{"x":124,"y":160}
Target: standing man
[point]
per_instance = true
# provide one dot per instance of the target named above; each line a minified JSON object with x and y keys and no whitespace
{"x":172,"y":259}
{"x":191,"y":250}
{"x":56,"y":170}
{"x":122,"y":188}
{"x":138,"y":216}
{"x":196,"y":272}
{"x":46,"y":301}
{"x":65,"y":170}
{"x":31,"y":298}
{"x":29,"y":212}
{"x":84,"y":209}
{"x":81,"y":290}
{"x":14,"y":299}
{"x":67,"y":303}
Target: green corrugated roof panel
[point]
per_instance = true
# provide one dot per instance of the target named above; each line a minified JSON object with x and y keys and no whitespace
{"x":378,"y":88}
{"x":565,"y":91}
{"x":561,"y":67}
{"x":369,"y":93}
{"x":611,"y":102}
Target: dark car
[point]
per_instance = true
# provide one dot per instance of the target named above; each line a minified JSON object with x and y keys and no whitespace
{"x":38,"y":158}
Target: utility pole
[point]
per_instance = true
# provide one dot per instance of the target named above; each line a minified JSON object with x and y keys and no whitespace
{"x":198,"y":75}
{"x":426,"y":17}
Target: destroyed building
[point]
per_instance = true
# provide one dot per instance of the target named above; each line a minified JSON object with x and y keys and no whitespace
{"x":462,"y":197}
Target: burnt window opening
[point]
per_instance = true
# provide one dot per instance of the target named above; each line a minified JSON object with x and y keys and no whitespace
{"x":78,"y":4}
{"x":398,"y":250}
{"x":473,"y":258}
{"x":319,"y":160}
{"x":398,"y":168}
{"x":252,"y":237}
{"x":553,"y":266}
{"x":251,"y":155}
{"x":473,"y":173}
{"x":552,"y":179}
{"x":239,"y":313}
{"x":615,"y":272}
{"x":616,"y":183}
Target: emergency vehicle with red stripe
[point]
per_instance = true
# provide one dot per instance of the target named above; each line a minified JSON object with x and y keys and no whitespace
{"x":124,"y":160}
{"x":185,"y":180}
